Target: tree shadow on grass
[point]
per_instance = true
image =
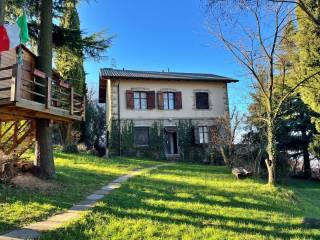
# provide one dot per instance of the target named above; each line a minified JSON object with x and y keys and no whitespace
{"x":164,"y":189}
{"x":73,"y":185}
{"x":140,"y":193}
{"x":144,"y":198}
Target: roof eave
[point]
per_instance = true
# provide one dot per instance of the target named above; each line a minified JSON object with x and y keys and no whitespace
{"x":228,"y":80}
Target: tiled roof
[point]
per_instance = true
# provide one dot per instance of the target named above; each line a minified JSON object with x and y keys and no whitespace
{"x":116,"y":73}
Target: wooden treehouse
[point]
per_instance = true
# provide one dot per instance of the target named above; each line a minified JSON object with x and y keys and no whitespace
{"x":27,"y":94}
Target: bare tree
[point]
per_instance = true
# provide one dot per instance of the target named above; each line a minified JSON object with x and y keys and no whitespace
{"x":253,"y":33}
{"x":296,"y":3}
{"x":304,"y":7}
{"x":227,"y":142}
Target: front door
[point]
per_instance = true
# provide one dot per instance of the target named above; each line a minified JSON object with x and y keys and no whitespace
{"x":171,"y":142}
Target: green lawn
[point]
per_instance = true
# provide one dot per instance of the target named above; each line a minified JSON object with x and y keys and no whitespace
{"x":77,"y":176}
{"x":189,"y":201}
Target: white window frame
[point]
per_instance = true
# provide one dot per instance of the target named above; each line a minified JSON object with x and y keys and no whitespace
{"x":140,"y":100}
{"x":203,"y":134}
{"x":168,"y":100}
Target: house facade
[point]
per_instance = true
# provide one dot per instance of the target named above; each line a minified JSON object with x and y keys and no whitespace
{"x":163,"y":115}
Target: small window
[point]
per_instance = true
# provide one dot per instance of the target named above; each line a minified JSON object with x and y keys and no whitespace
{"x":140,"y":100}
{"x":202,"y":100}
{"x":141,"y":136}
{"x":168,"y":100}
{"x":203,"y":135}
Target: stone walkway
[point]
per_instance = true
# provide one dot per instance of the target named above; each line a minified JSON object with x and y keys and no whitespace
{"x":33,"y":231}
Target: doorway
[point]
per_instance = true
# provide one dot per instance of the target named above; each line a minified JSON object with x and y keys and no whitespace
{"x":171,"y":140}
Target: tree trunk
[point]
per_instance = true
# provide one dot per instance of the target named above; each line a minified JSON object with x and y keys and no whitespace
{"x":306,"y":163}
{"x":271,"y":151}
{"x":44,"y":153}
{"x":2,"y":11}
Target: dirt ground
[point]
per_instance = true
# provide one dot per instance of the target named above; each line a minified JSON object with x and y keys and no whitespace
{"x":30,"y":182}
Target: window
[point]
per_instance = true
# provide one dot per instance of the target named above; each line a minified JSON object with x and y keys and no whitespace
{"x":141,"y":136}
{"x":203,"y":135}
{"x":168,"y":100}
{"x":202,"y":100}
{"x":140,"y":100}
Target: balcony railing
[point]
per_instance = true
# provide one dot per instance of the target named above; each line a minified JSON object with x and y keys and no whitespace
{"x":27,"y":87}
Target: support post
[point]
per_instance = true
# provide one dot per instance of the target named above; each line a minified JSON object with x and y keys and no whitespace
{"x":84,"y":108}
{"x":48,"y":94}
{"x":71,"y":101}
{"x":16,"y":83}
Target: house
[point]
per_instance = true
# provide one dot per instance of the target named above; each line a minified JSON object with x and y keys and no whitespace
{"x":163,"y":115}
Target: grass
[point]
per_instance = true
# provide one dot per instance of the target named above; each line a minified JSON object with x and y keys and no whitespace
{"x":77,"y":175}
{"x":176,"y":201}
{"x":190,"y":201}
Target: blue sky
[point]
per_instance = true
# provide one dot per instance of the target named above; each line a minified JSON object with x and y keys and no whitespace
{"x":157,"y":35}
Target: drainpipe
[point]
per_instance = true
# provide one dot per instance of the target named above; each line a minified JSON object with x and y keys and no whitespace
{"x":108,"y":86}
{"x":119,"y":121}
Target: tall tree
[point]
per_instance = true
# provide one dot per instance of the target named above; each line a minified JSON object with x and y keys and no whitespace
{"x":44,"y":151}
{"x":69,"y":63}
{"x":296,"y":131}
{"x":308,"y":62}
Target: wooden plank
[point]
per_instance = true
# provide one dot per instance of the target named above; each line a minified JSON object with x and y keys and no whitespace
{"x":5,"y":78}
{"x":5,"y":89}
{"x":39,"y":74}
{"x":6,"y":68}
{"x":33,"y":92}
{"x":71,"y":101}
{"x":34,"y":82}
{"x":39,"y":108}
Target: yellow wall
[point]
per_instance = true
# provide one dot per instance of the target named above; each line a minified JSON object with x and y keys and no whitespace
{"x":218,"y":99}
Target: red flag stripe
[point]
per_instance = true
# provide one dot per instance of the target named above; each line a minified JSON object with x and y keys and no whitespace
{"x":4,"y":39}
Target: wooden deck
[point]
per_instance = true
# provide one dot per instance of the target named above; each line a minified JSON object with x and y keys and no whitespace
{"x":27,"y":93}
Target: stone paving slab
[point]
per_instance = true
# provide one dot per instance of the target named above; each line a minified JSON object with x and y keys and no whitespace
{"x":33,"y":231}
{"x":95,"y":197}
{"x":23,"y":233}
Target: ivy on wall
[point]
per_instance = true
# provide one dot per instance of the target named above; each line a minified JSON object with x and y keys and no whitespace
{"x":121,"y":142}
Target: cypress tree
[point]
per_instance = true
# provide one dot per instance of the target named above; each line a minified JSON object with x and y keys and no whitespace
{"x":69,"y":63}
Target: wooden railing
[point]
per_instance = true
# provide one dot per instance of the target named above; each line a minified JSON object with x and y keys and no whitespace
{"x":52,"y":92}
{"x":34,"y":85}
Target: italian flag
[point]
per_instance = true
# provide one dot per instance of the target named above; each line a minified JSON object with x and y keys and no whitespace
{"x":12,"y":35}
